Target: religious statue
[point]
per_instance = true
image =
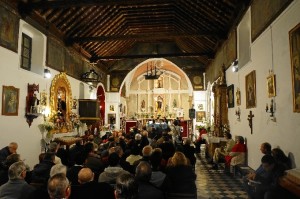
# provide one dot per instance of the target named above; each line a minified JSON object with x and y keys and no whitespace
{"x":143,"y":105}
{"x":159,"y":104}
{"x":174,"y":103}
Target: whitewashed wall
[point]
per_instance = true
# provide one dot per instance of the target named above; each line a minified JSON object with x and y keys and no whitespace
{"x":15,"y":128}
{"x":285,"y":132}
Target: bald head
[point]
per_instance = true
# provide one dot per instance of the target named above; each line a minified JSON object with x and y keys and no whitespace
{"x":85,"y":175}
{"x":147,"y":151}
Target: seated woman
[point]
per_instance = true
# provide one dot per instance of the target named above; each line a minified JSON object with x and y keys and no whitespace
{"x":281,"y":158}
{"x":220,"y":153}
{"x":237,"y":154}
{"x":180,"y":177}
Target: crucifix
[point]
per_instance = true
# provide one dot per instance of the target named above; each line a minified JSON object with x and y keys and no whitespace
{"x":250,"y":116}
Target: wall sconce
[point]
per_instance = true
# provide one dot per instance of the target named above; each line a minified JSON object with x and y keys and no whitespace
{"x":47,"y":73}
{"x":235,"y":66}
{"x":238,"y":114}
{"x":271,"y":110}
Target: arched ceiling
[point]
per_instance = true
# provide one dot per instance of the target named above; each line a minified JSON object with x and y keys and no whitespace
{"x":120,"y":34}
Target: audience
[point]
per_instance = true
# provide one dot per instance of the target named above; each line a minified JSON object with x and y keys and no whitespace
{"x":157,"y":177}
{"x":281,"y":158}
{"x":41,"y":171}
{"x":53,"y":147}
{"x":58,"y":168}
{"x":89,"y":189}
{"x":189,"y":151}
{"x":237,"y":154}
{"x":114,"y":169}
{"x":265,"y":185}
{"x":180,"y":177}
{"x":220,"y":153}
{"x":59,"y":187}
{"x":6,"y":151}
{"x":93,"y":161}
{"x":16,"y":187}
{"x":146,"y":189}
{"x":72,"y":172}
{"x":126,"y":187}
{"x":12,"y":158}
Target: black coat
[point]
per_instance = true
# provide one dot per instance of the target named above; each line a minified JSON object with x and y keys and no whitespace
{"x":92,"y":190}
{"x":41,"y":172}
{"x":180,"y":179}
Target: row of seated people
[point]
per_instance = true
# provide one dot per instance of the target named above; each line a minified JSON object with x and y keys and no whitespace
{"x":264,"y":181}
{"x":170,"y":172}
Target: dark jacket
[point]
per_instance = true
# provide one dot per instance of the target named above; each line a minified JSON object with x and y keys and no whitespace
{"x":4,"y":153}
{"x":92,"y":190}
{"x":180,"y":179}
{"x":16,"y":189}
{"x":72,"y":174}
{"x":41,"y":172}
{"x":148,"y":191}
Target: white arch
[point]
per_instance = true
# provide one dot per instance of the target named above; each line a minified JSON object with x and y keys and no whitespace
{"x":128,"y":78}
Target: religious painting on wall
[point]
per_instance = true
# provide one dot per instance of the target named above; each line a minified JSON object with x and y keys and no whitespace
{"x":251,"y":90}
{"x":230,"y":95}
{"x":9,"y":29}
{"x":10,"y":100}
{"x":200,"y":116}
{"x":271,"y":85}
{"x":295,"y":65}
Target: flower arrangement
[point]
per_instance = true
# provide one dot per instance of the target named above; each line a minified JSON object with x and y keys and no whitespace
{"x":48,"y":126}
{"x":74,"y":118}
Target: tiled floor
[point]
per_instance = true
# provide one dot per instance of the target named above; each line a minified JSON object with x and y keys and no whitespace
{"x":215,"y":184}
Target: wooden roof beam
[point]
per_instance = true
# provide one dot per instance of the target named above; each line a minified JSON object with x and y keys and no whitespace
{"x":79,"y":3}
{"x":210,"y":55}
{"x":142,"y":37}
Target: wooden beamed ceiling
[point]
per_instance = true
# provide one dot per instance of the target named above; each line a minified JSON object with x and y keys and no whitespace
{"x":113,"y":31}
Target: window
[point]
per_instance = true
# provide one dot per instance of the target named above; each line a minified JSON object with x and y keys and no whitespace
{"x":26,"y":52}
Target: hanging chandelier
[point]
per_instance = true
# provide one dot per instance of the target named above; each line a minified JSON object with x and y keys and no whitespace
{"x":153,"y":71}
{"x":90,"y":77}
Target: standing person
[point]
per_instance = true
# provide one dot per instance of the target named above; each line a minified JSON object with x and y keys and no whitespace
{"x":6,"y":151}
{"x":16,"y":187}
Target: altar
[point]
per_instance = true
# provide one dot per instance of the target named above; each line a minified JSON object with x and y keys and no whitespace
{"x":212,"y":143}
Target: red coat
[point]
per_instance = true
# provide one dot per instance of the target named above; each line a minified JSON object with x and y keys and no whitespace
{"x":236,"y":149}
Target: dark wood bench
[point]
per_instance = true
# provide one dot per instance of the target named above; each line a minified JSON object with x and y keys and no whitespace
{"x":242,"y":169}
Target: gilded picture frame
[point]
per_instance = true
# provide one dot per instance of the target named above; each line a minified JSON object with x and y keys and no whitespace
{"x":10,"y":100}
{"x":271,"y":85}
{"x":294,"y":36}
{"x":200,"y":116}
{"x":250,"y":89}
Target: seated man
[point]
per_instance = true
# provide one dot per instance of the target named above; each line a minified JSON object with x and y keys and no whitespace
{"x":59,"y":187}
{"x":126,"y":187}
{"x":266,"y":184}
{"x":89,"y":189}
{"x":220,"y":153}
{"x":237,"y":154}
{"x":16,"y":187}
{"x":143,"y":177}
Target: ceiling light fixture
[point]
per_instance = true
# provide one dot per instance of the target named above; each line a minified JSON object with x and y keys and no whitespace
{"x":153,"y":72}
{"x":47,"y":73}
{"x":90,"y":77}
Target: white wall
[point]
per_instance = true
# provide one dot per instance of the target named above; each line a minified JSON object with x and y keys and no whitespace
{"x":285,"y":132}
{"x":15,"y":128}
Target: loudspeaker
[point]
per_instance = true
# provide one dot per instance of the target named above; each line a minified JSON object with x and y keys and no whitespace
{"x":192,"y":113}
{"x":88,"y":109}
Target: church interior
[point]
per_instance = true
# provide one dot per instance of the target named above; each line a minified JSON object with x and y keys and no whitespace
{"x":72,"y":67}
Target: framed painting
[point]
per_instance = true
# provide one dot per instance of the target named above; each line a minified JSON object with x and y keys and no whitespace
{"x":295,"y":65}
{"x":43,"y":98}
{"x":251,"y":90}
{"x":230,"y":95}
{"x":10,"y":100}
{"x":9,"y":29}
{"x":271,"y":85}
{"x":111,"y":118}
{"x":200,"y":116}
